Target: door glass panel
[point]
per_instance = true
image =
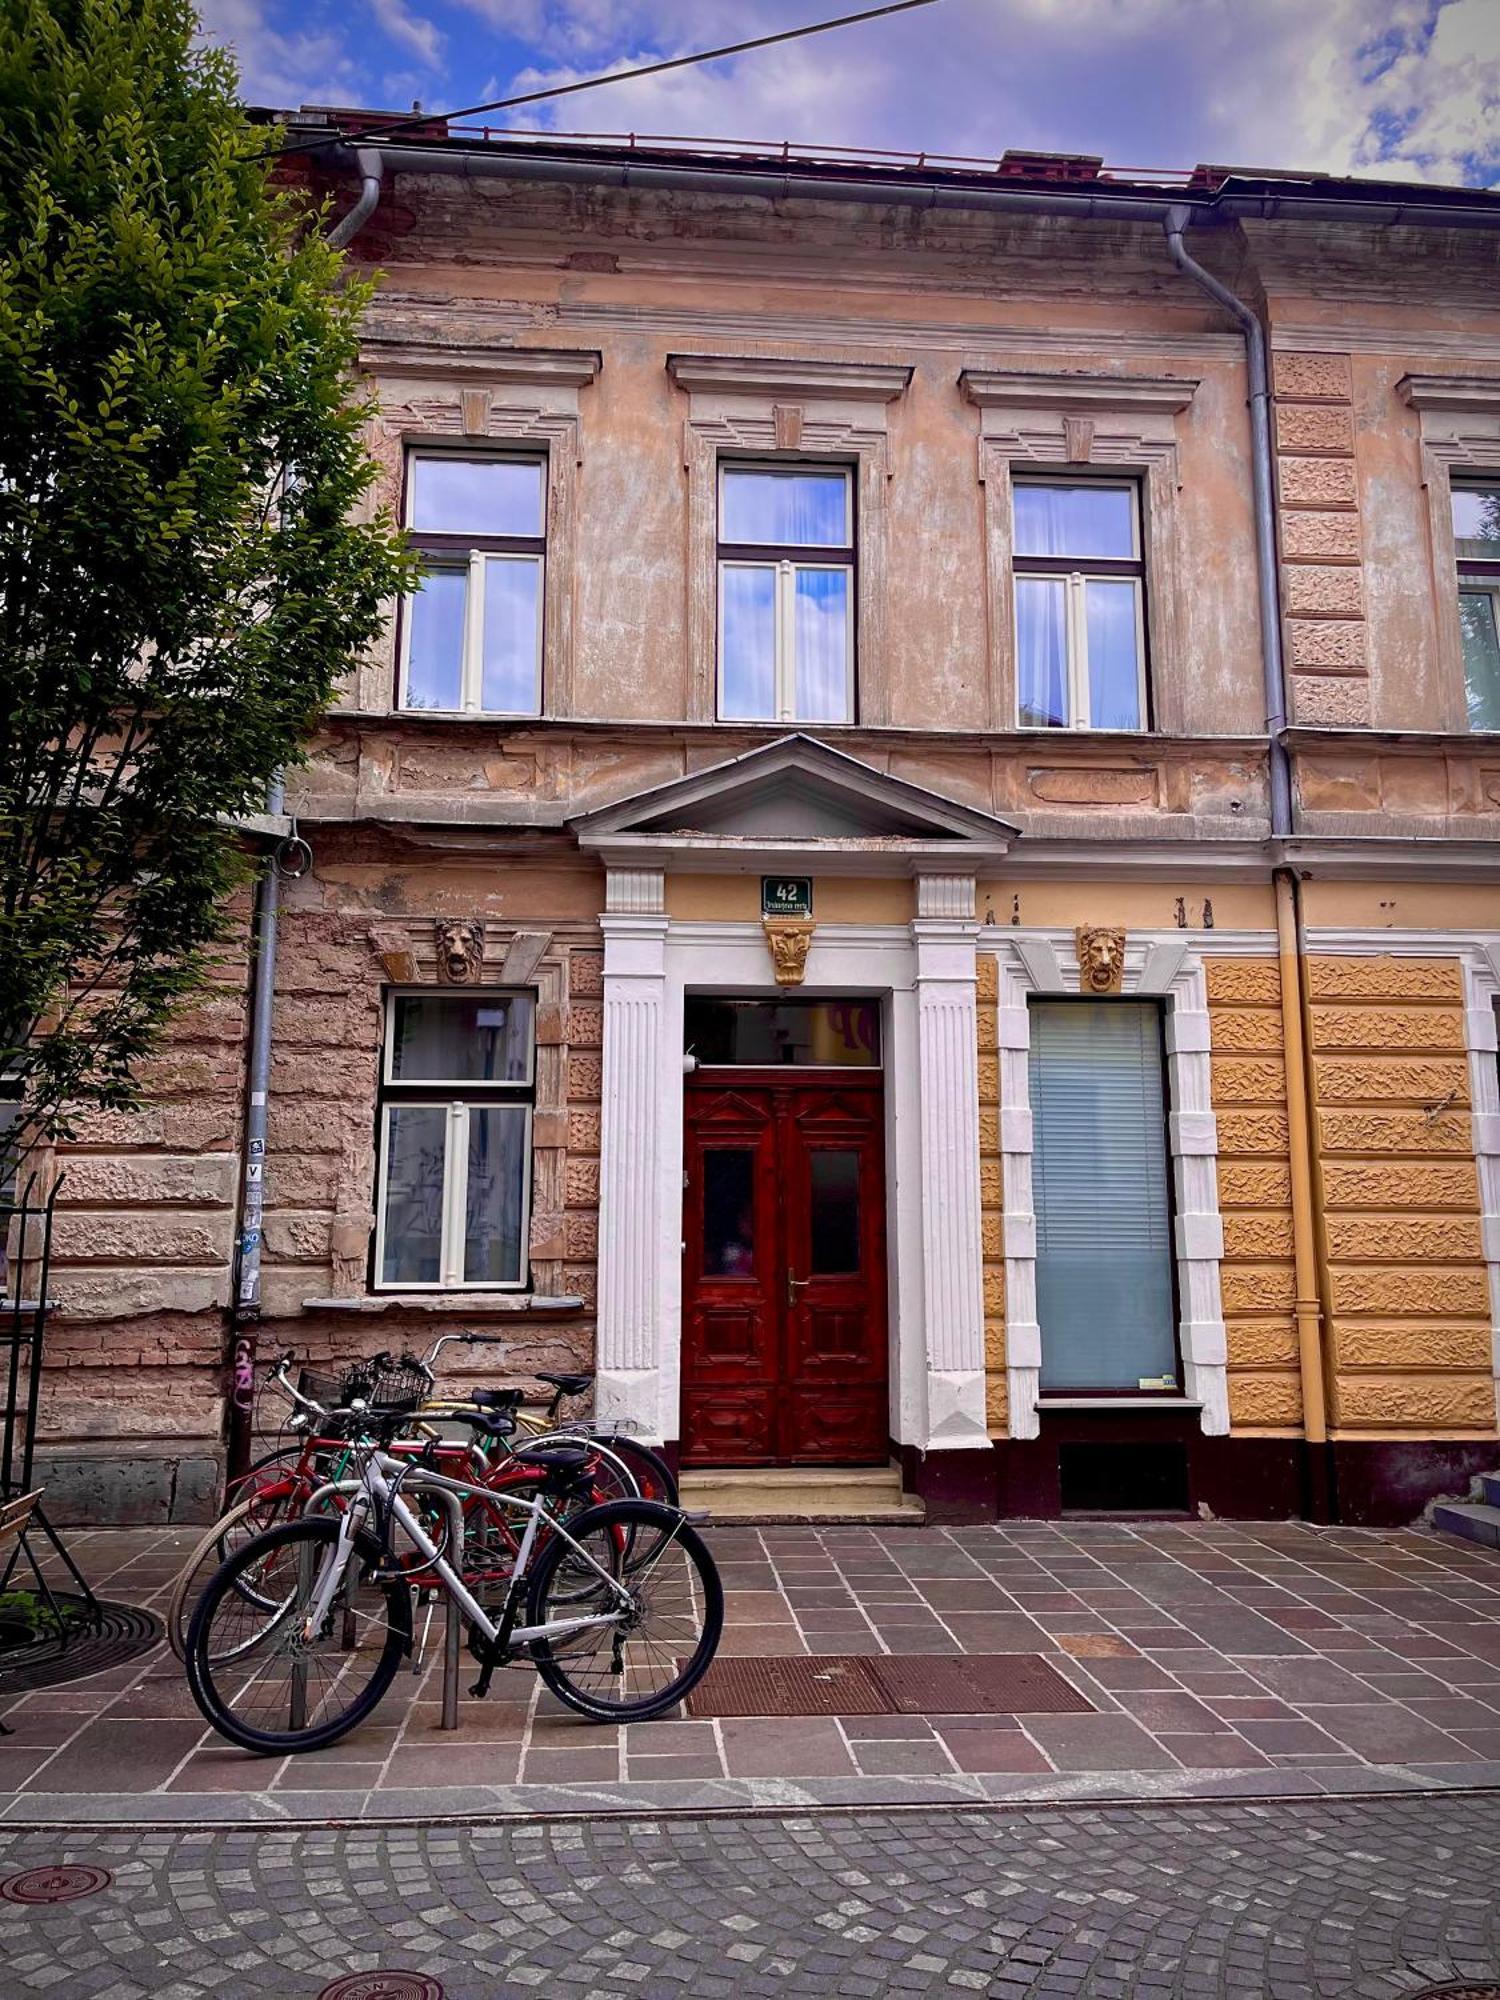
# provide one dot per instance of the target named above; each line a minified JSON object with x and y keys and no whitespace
{"x":729,"y":1212}
{"x":414,"y":1195}
{"x":834,"y":1230}
{"x":497,"y":1176}
{"x":815,"y":1034}
{"x":1100,"y":1190}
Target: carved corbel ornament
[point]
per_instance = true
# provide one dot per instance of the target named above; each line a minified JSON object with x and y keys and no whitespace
{"x":392,"y":945}
{"x":789,"y":940}
{"x":1101,"y":958}
{"x":460,"y":950}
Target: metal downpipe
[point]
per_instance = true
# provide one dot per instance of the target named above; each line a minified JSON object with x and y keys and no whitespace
{"x":371,"y":164}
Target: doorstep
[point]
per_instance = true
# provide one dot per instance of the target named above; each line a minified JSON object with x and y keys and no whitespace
{"x":757,"y":1494}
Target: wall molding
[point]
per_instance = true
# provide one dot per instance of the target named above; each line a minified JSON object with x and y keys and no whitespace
{"x":1009,"y":389}
{"x":763,"y":375}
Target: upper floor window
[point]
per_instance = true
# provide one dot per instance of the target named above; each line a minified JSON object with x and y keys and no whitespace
{"x":786,"y":593}
{"x":1476,"y":542}
{"x":455,"y":1141}
{"x":1080,"y":624}
{"x":473,"y":630}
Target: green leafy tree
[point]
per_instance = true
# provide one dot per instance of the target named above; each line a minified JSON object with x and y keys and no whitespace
{"x":183,"y":579}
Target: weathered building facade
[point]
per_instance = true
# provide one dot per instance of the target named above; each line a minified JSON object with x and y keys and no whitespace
{"x":807,"y":911}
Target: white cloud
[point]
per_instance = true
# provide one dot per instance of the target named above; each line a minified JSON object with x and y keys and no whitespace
{"x":276,"y":69}
{"x":410,"y":31}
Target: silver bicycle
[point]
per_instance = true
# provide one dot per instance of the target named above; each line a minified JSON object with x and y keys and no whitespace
{"x":302,"y":1630}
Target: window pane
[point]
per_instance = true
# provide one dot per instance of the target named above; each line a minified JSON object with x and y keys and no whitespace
{"x":477,"y":496}
{"x":414,"y":1195}
{"x":747,"y":644}
{"x":821,"y":640}
{"x":834,"y":1234}
{"x":1114,"y":674}
{"x":842,"y":1034}
{"x":497,"y":1178}
{"x":481,"y":1038}
{"x":1075,"y":521}
{"x":729,"y":1212}
{"x":1476,"y":613}
{"x":435,"y":651}
{"x":1042,"y":652}
{"x":1099,"y":1187}
{"x":802,"y":508}
{"x":512,"y":609}
{"x":1476,"y":522}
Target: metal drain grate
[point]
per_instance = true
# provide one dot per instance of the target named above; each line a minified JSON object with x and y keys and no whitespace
{"x":860,"y":1684}
{"x":121,"y":1633}
{"x":1465,"y":1990}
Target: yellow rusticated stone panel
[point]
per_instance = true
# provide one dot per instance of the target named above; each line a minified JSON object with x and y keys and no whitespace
{"x":994,"y":1344}
{"x":1252,"y":1132}
{"x":1437,"y":1291}
{"x":991,"y":1183}
{"x":994,"y":1292}
{"x":1428,"y":1403}
{"x":1245,"y":1030}
{"x":1252,"y":982}
{"x":1261,"y":1343}
{"x":1379,"y":1132}
{"x":1385,"y":1080}
{"x":1254,"y":1183}
{"x":989,"y":1079}
{"x":1248,"y":1080}
{"x":987,"y":977}
{"x":989,"y":1129}
{"x":1392,"y":1028}
{"x":1257,"y":1288}
{"x":1414,"y":1345}
{"x":987,"y":1023}
{"x":1264,"y":1402}
{"x":1258,"y":1235}
{"x":1428,"y":1239}
{"x":1451,"y":1184}
{"x":992,"y":1234}
{"x":1384,"y":979}
{"x":996,"y":1406}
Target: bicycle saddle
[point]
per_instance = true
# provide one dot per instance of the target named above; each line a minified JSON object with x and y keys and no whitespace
{"x":564,"y":1464}
{"x":570,"y":1385}
{"x":496,"y":1399}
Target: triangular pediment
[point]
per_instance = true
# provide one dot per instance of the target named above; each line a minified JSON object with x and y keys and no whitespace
{"x":797,"y":796}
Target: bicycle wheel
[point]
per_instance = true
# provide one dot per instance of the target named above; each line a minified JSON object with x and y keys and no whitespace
{"x":260,"y":1678}
{"x":654,"y":1481}
{"x":659,"y":1647}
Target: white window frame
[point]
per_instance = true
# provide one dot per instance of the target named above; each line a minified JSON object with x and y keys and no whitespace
{"x":1470,"y":584}
{"x":786,"y":570}
{"x":1076,"y":636}
{"x":431,"y":1093}
{"x":471,"y":673}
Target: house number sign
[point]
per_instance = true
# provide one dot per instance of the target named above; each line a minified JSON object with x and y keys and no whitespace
{"x":785,"y":896}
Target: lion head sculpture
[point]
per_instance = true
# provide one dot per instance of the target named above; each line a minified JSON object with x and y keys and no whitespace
{"x":460,"y":950}
{"x":1101,"y":958}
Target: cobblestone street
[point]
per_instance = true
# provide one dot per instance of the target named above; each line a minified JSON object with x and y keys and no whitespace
{"x":1278,"y":1900}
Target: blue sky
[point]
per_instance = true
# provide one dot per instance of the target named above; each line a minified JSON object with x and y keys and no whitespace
{"x":1404,"y":88}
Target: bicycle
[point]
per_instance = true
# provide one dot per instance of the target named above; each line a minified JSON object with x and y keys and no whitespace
{"x":300,"y":1659}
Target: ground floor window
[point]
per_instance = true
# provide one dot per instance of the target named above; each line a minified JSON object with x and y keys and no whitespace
{"x":1102,"y":1195}
{"x":455,"y":1141}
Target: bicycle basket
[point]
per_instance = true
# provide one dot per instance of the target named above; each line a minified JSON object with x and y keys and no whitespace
{"x":320,"y":1387}
{"x":393,"y":1389}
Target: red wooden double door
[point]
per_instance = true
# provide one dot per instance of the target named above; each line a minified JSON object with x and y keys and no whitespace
{"x":784,"y":1325}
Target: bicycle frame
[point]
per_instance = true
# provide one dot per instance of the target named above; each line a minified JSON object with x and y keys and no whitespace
{"x":378,"y":1492}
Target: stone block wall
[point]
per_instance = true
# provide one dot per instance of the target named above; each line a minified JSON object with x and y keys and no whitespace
{"x":1323,"y":595}
{"x":991,"y":1198}
{"x":1410,"y":1335}
{"x":1255,"y":1194}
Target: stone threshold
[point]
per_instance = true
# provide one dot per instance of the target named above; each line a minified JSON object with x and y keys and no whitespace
{"x":472,"y":1805}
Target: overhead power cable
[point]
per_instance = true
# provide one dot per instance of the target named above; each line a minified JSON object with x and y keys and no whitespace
{"x":421,"y":119}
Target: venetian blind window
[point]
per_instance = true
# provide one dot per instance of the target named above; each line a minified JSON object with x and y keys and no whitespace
{"x":786,"y":593}
{"x":473,"y":629}
{"x":1104,"y":1279}
{"x":1476,"y":541}
{"x":1080,"y":625}
{"x":455,"y":1141}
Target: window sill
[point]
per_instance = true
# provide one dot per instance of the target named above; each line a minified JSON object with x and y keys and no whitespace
{"x":476,"y":1305}
{"x":1162,"y":1402}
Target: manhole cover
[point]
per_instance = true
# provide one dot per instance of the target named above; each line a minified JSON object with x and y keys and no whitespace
{"x":864,"y":1684}
{"x":977,"y":1684}
{"x":788,"y":1686}
{"x":383,"y":1986}
{"x":121,"y":1632}
{"x":64,"y":1883}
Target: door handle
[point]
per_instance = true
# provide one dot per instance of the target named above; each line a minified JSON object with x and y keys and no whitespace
{"x":793,"y":1286}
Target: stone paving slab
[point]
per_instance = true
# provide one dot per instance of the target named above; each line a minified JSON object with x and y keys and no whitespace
{"x":1338,"y":1900}
{"x":1218,"y":1660}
